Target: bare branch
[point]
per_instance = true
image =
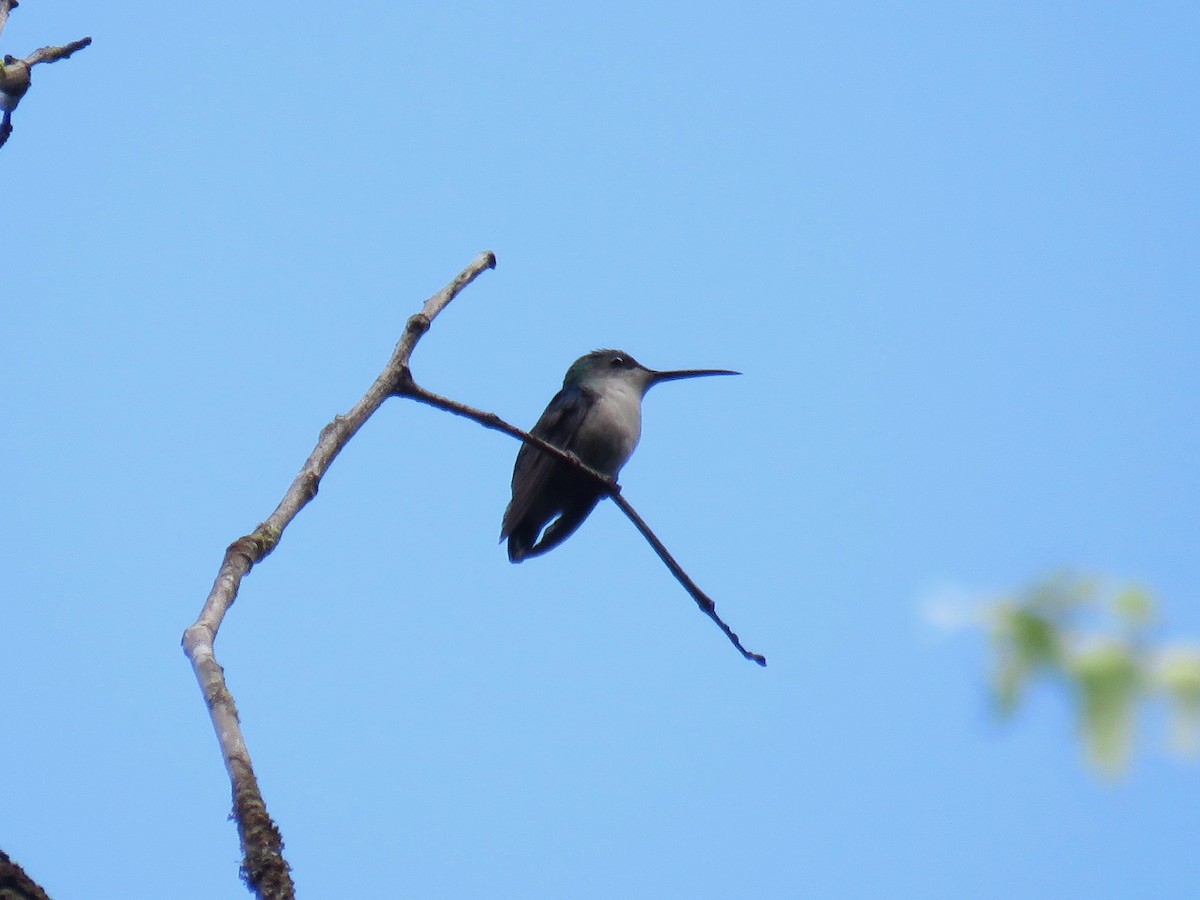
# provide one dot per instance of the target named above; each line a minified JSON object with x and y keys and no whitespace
{"x":54,"y":54}
{"x":264,"y":867}
{"x":707,"y":606}
{"x":410,"y":388}
{"x":14,"y":883}
{"x":5,"y":7}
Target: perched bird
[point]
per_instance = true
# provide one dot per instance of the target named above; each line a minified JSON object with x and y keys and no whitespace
{"x":597,"y":416}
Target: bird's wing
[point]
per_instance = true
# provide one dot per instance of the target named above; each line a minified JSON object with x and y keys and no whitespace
{"x":558,"y":426}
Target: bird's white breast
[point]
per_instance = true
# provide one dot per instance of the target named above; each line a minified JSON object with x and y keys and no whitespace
{"x":612,"y":428}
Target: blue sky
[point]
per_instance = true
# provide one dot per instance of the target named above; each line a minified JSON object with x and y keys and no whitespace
{"x":956,"y":254}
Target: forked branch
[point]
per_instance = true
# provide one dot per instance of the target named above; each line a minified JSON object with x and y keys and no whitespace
{"x":263,"y":867}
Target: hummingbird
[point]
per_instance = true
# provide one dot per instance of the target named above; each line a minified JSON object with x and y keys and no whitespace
{"x":597,"y":416}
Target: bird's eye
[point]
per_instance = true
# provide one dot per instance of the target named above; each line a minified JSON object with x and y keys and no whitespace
{"x":617,"y":361}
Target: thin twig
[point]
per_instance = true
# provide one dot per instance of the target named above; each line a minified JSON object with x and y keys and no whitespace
{"x":54,"y":54}
{"x":707,"y":606}
{"x":409,"y":388}
{"x":5,"y":7}
{"x":264,"y":867}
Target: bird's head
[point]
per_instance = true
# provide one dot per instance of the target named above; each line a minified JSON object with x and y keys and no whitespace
{"x":601,"y":368}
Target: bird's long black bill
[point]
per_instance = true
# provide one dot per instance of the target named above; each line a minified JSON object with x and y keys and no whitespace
{"x":676,"y":374}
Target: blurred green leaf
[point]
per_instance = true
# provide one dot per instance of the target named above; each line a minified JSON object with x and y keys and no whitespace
{"x":1109,"y":680}
{"x":1135,"y":606}
{"x":1025,"y":643}
{"x":1178,"y":675}
{"x":1092,"y":638}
